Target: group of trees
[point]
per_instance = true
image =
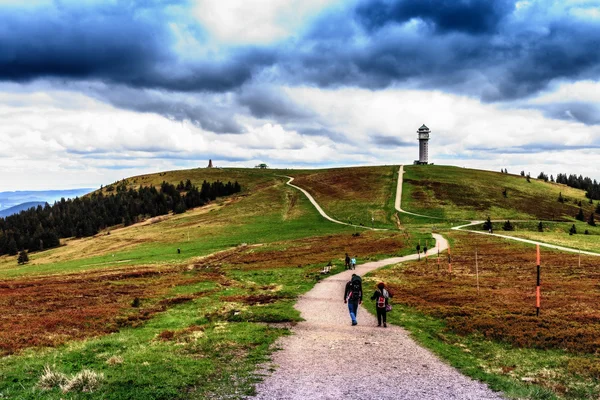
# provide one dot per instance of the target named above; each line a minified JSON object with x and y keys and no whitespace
{"x":41,"y":228}
{"x":591,"y":187}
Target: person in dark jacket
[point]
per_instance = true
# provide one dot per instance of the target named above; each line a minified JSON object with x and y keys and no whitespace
{"x":353,"y":296}
{"x":347,"y":261}
{"x":381,"y":297}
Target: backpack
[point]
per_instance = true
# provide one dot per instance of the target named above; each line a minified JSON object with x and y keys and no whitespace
{"x":381,"y":300}
{"x":355,"y":287}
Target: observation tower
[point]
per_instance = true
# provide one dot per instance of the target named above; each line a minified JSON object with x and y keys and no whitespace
{"x":423,"y":133}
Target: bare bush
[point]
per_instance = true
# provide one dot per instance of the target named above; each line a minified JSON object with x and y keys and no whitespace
{"x":84,"y":381}
{"x":51,"y":379}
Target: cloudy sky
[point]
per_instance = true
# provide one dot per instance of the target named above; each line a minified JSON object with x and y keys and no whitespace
{"x":92,"y":91}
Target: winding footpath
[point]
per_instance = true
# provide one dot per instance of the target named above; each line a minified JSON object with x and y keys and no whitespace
{"x":320,"y":210}
{"x":398,"y":201}
{"x":517,"y":239}
{"x":327,"y":358}
{"x":481,"y":232}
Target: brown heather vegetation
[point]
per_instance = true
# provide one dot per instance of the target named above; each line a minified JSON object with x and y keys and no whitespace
{"x":49,"y":310}
{"x":504,"y":310}
{"x":352,"y":194}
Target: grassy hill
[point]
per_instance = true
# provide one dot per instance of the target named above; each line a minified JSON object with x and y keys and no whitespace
{"x":468,"y":194}
{"x":360,"y":195}
{"x":165,"y":325}
{"x":159,"y":324}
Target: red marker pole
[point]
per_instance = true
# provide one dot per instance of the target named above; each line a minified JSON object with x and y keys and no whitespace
{"x":537,"y":289}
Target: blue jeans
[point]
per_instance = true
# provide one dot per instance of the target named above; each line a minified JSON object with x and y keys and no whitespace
{"x":353,"y":308}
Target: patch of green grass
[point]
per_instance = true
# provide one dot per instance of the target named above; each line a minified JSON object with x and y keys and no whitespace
{"x":202,"y":348}
{"x":467,"y":194}
{"x":254,"y":219}
{"x":359,"y":195}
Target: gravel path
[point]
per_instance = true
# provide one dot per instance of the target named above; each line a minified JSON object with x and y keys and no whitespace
{"x":320,"y":210}
{"x":327,"y":358}
{"x":542,"y":244}
{"x":399,"y":197}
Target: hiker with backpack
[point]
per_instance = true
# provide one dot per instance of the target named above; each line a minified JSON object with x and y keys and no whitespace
{"x":353,"y":296}
{"x":353,"y":262}
{"x":381,"y":297}
{"x":347,"y":265}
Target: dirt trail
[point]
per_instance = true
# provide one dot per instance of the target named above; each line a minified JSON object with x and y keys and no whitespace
{"x":327,"y":358}
{"x":542,"y":244}
{"x":323,"y":213}
{"x":471,"y":223}
{"x":398,"y":202}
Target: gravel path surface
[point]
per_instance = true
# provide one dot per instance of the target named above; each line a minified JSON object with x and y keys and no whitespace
{"x":327,"y":358}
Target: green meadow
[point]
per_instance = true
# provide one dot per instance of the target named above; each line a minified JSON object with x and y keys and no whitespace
{"x":152,"y":322}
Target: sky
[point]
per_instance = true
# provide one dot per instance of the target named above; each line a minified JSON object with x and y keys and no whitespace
{"x":95,"y":91}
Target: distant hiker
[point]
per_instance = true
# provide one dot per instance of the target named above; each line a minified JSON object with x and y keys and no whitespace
{"x":353,"y":262}
{"x":381,"y":297}
{"x":353,"y":296}
{"x":347,"y":261}
{"x":425,"y":250}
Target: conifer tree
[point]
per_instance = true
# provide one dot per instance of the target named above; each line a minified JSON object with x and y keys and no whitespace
{"x":508,"y":226}
{"x":591,"y":219}
{"x":23,"y":257}
{"x":580,"y":216}
{"x":12,"y":247}
{"x":487,"y":225}
{"x":540,"y":227}
{"x":560,"y":198}
{"x":573,"y":230}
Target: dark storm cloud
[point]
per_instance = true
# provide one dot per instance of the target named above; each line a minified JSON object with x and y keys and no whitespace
{"x":199,"y":110}
{"x":586,"y":113}
{"x":481,"y":48}
{"x":333,"y":135}
{"x":470,"y":16}
{"x":390,"y":141}
{"x":125,"y":42}
{"x":265,"y":102}
{"x":478,"y":48}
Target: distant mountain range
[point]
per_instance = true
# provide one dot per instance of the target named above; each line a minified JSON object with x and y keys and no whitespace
{"x":22,"y":200}
{"x":20,"y":207}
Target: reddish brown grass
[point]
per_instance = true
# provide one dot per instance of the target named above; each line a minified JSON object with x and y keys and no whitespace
{"x":505,"y":308}
{"x":47,"y":311}
{"x":317,"y":250}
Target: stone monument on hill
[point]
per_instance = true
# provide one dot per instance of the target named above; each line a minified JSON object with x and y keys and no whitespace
{"x":209,"y":164}
{"x":423,"y":133}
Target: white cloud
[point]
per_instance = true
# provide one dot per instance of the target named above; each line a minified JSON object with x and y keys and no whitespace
{"x":582,"y":91}
{"x":58,"y":139}
{"x":255,"y":21}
